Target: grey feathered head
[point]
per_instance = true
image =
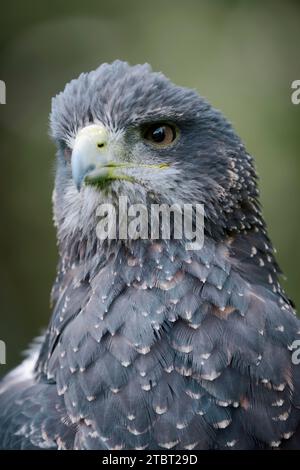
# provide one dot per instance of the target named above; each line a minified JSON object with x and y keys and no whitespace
{"x":150,"y":345}
{"x":127,"y":130}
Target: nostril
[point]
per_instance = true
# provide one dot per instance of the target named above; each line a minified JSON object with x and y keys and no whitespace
{"x":90,"y":168}
{"x":100,"y":145}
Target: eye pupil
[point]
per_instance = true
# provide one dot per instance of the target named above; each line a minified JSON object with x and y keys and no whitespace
{"x":159,"y":134}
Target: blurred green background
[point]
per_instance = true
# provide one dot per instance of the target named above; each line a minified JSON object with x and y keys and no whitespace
{"x":241,"y":55}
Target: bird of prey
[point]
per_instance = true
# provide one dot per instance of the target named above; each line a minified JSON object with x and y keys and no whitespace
{"x":151,"y":345}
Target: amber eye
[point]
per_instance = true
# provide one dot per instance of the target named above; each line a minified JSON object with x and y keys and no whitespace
{"x":160,"y":134}
{"x":67,"y":154}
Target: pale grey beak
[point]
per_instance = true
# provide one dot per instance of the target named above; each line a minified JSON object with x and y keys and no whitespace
{"x":90,"y":151}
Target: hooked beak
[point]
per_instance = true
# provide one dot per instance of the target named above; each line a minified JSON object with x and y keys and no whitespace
{"x":90,"y":152}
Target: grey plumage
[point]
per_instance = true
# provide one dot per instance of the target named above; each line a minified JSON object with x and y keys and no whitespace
{"x":150,"y":345}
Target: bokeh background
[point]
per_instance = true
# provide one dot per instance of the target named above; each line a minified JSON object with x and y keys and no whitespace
{"x":241,"y":55}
